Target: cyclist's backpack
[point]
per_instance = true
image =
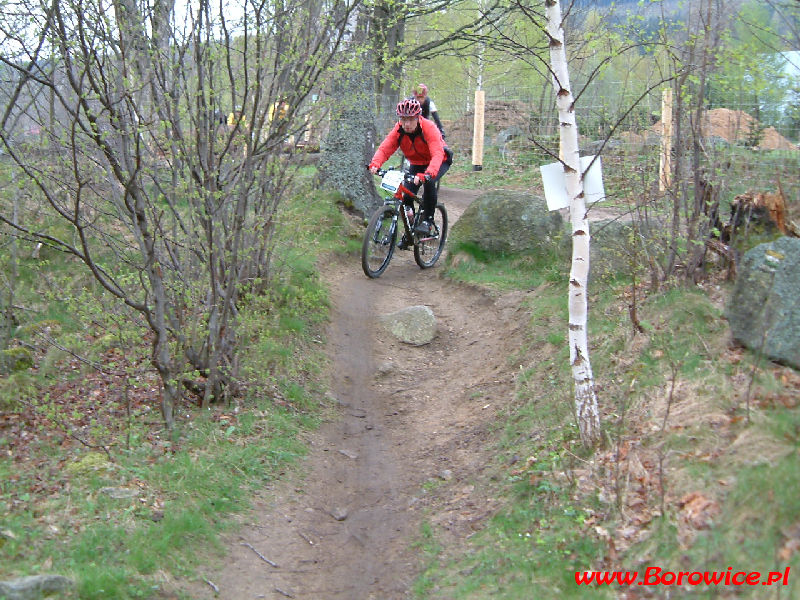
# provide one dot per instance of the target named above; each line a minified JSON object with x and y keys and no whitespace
{"x":448,"y":154}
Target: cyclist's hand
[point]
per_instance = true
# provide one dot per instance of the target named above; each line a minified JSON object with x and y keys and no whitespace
{"x":373,"y":169}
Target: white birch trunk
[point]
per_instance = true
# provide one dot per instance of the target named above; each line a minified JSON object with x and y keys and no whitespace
{"x":586,"y":410}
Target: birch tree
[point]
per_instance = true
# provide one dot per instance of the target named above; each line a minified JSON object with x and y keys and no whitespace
{"x":586,"y":409}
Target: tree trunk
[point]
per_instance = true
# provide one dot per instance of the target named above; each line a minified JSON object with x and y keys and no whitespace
{"x":697,"y":230}
{"x":586,"y":409}
{"x":352,"y":138}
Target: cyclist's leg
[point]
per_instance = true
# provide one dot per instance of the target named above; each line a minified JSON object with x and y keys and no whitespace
{"x":417,"y":170}
{"x":442,"y":170}
{"x":431,"y":196}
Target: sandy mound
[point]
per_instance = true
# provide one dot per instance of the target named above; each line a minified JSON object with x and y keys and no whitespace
{"x":735,"y":126}
{"x":498,"y":115}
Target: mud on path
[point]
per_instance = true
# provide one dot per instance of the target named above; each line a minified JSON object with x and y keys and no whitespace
{"x":407,"y":442}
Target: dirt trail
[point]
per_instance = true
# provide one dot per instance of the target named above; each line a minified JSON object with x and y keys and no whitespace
{"x":407,"y":415}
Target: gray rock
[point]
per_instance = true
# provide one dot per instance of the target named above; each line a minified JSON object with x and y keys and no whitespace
{"x":615,"y":252}
{"x":508,"y":134}
{"x":119,"y":493}
{"x":610,"y":249}
{"x":595,"y":146}
{"x":764,"y":308}
{"x":384,"y":368}
{"x":503,"y":221}
{"x":35,"y":587}
{"x":415,"y":325}
{"x":340,"y":514}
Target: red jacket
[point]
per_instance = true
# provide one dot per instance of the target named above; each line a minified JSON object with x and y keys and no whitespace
{"x":426,"y":149}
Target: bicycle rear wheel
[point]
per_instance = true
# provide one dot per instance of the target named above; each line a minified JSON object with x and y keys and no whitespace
{"x":428,"y":249}
{"x":378,"y":247}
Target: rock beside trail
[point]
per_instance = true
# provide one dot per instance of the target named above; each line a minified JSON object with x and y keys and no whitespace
{"x":35,"y":587}
{"x":764,"y":309}
{"x":507,"y":221}
{"x":415,"y":325}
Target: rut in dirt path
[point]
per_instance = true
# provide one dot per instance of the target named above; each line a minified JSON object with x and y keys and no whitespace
{"x":407,"y":415}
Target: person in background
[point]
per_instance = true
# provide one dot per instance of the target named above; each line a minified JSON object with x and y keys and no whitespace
{"x":236,"y":118}
{"x":428,"y":107}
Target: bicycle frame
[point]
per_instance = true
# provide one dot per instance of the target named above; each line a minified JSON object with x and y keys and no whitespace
{"x":398,"y":199}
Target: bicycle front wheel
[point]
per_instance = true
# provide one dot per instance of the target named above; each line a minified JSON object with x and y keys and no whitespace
{"x":428,"y":249}
{"x":379,"y":239}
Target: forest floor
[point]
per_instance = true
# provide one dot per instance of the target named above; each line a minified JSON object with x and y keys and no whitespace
{"x":408,"y":440}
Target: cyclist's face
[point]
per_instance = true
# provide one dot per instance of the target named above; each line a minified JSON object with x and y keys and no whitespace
{"x":409,"y":124}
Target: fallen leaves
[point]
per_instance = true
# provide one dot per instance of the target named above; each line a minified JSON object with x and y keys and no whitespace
{"x":698,"y":510}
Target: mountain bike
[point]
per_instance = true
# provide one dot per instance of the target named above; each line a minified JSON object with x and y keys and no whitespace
{"x":381,"y":239}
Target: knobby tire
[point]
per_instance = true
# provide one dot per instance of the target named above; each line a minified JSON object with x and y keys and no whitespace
{"x":379,"y":241}
{"x":427,"y":252}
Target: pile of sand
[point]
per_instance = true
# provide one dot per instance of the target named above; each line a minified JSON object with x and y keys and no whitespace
{"x":736,"y":126}
{"x":497,"y":115}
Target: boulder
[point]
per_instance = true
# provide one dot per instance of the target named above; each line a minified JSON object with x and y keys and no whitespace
{"x":415,"y":325}
{"x":764,"y":308}
{"x":35,"y":587}
{"x":610,"y":249}
{"x":507,"y":221}
{"x":615,"y":252}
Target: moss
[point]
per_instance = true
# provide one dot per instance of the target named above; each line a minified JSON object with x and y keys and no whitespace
{"x":93,"y":462}
{"x":15,"y":359}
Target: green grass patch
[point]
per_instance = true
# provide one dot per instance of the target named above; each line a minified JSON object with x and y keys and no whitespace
{"x":503,"y":272}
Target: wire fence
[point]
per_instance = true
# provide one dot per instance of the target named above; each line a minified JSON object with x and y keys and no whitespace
{"x":738,"y":146}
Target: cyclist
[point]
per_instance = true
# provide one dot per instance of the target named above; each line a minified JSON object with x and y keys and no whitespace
{"x":428,"y":107}
{"x":421,"y":143}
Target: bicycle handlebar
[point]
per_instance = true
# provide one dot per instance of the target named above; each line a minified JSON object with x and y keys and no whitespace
{"x":408,"y":177}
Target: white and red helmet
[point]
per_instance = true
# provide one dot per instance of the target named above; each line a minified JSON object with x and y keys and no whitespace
{"x":409,"y":108}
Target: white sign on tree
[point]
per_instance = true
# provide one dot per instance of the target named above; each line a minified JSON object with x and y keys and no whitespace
{"x":555,"y":185}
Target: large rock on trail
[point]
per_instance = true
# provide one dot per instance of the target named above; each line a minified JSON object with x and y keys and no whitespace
{"x":415,"y":325}
{"x":764,"y":309}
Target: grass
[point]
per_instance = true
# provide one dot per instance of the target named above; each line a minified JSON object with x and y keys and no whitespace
{"x":121,"y":523}
{"x":469,"y":263}
{"x":673,"y":404}
{"x":183,"y":496}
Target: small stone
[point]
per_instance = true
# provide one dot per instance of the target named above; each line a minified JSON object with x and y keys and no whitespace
{"x":340,"y":514}
{"x":385,"y":369}
{"x":119,"y":493}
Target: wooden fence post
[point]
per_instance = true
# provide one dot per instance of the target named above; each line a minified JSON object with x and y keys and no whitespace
{"x":477,"y":132}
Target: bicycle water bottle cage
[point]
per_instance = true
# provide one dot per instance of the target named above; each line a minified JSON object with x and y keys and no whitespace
{"x":392,"y":180}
